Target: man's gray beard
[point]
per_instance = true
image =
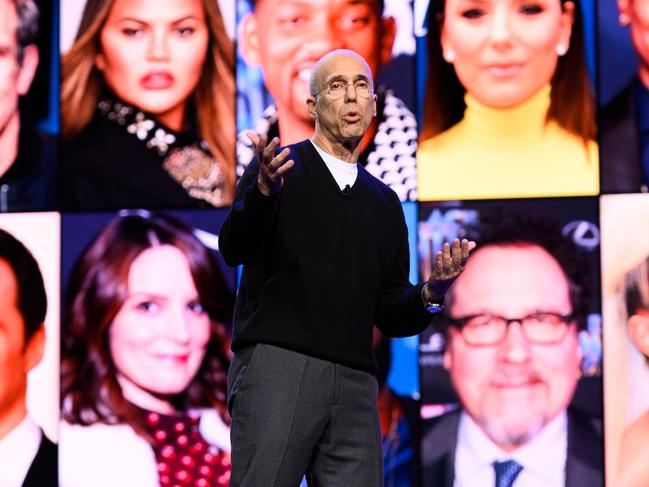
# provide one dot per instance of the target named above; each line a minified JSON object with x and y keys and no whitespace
{"x":510,"y":437}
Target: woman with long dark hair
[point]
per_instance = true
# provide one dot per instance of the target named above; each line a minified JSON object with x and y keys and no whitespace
{"x":144,"y":360}
{"x":509,"y":109}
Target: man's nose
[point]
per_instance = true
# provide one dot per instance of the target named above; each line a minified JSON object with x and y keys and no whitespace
{"x":350,"y":92}
{"x":515,"y":347}
{"x":323,"y":37}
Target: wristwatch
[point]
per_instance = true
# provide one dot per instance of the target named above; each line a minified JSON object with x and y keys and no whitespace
{"x":431,"y":307}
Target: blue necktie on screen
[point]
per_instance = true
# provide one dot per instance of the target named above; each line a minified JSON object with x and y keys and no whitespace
{"x":506,"y":472}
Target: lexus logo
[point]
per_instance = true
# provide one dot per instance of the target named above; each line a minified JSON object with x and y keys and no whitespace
{"x":583,"y":233}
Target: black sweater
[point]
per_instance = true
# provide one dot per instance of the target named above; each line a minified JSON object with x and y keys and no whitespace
{"x":320,"y":267}
{"x":30,"y":183}
{"x":107,"y":168}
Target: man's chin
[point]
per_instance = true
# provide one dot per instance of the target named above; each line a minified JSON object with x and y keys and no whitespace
{"x":350,"y":139}
{"x":510,"y":432}
{"x":354,"y":130}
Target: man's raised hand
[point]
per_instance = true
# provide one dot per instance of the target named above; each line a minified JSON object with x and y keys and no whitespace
{"x":449,"y":264}
{"x":271,"y":167}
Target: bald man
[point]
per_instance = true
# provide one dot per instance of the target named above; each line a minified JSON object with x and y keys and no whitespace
{"x":324,"y":247}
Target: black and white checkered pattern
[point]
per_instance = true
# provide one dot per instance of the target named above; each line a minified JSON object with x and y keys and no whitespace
{"x":390,"y":158}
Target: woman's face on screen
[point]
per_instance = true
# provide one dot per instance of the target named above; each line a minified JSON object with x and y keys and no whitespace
{"x":159,"y":336}
{"x":152,"y":54}
{"x":504,"y":51}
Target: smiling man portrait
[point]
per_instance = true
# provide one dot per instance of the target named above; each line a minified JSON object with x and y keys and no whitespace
{"x":512,"y":323}
{"x":284,"y":38}
{"x":27,"y":457}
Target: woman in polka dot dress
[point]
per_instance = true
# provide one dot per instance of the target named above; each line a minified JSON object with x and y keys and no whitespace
{"x":144,"y":360}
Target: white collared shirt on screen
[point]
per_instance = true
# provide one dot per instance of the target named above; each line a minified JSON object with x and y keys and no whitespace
{"x":543,"y":458}
{"x":17,"y":452}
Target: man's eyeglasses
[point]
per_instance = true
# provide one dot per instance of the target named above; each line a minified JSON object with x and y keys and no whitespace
{"x":541,"y":328}
{"x":338,"y":88}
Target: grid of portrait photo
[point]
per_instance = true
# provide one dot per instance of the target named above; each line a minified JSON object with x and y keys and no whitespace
{"x":523,"y":125}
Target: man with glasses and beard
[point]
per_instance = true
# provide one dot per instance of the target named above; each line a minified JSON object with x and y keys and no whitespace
{"x":511,"y":325}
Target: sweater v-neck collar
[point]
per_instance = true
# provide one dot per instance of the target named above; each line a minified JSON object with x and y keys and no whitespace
{"x":322,"y":167}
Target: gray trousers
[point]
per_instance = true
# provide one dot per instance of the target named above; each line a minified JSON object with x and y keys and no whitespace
{"x":294,"y":414}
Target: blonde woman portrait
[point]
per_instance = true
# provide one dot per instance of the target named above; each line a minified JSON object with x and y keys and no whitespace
{"x":625,"y":291}
{"x":147,"y":107}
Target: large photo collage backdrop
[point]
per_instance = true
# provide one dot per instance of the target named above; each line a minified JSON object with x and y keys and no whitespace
{"x":520,"y":124}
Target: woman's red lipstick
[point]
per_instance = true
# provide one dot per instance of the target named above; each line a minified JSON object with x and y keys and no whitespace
{"x":157,"y":80}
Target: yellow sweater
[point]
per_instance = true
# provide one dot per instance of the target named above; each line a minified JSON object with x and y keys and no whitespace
{"x":506,"y":153}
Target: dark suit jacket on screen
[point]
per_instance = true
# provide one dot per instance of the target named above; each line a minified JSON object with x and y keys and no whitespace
{"x":619,"y":145}
{"x":43,"y":471}
{"x":584,"y":463}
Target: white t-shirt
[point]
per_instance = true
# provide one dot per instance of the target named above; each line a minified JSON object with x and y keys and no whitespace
{"x":343,"y":172}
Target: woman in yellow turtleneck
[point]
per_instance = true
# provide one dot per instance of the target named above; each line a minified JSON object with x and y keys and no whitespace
{"x":508,"y":111}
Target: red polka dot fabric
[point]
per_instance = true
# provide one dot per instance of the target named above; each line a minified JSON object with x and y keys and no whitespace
{"x":183,"y":456}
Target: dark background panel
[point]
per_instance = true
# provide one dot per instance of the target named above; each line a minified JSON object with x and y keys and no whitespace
{"x":41,"y":104}
{"x":617,"y":59}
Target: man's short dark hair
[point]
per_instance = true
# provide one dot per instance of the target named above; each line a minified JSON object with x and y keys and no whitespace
{"x":498,"y":227}
{"x":30,"y":291}
{"x":27,"y":25}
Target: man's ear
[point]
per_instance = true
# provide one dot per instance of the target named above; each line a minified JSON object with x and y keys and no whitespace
{"x":447,"y":359}
{"x":35,"y":348}
{"x":311,"y":107}
{"x":579,"y":354}
{"x":27,"y":69}
{"x":638,"y":327}
{"x":388,"y":34}
{"x":248,"y":37}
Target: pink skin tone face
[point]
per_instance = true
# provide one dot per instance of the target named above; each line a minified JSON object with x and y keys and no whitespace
{"x":153,"y":57}
{"x":504,"y":51}
{"x":16,"y":357}
{"x":286,"y":37}
{"x":15,"y":80}
{"x":159,"y":336}
{"x":636,"y":14}
{"x":345,"y":115}
{"x":634,"y":469}
{"x":512,"y":389}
